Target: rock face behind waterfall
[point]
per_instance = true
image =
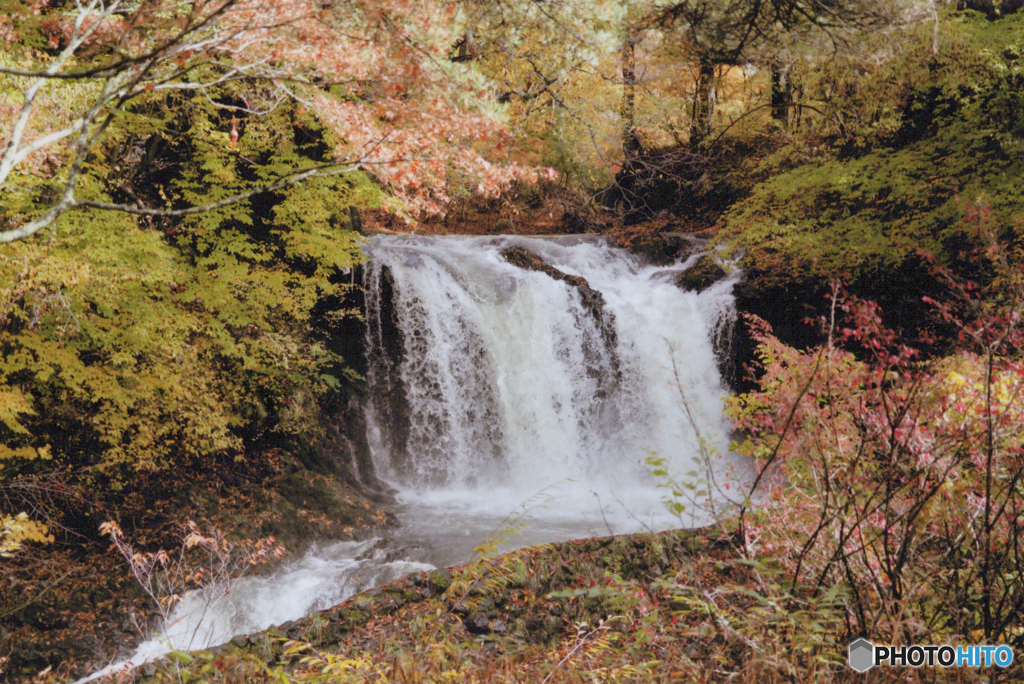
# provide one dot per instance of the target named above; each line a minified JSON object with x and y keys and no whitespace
{"x":702,"y":275}
{"x":592,"y":299}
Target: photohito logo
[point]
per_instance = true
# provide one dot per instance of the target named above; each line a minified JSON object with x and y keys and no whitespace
{"x":863,"y":655}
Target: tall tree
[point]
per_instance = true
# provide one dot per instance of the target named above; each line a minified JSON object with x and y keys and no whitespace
{"x":539,"y":51}
{"x":782,"y":91}
{"x":705,"y":97}
{"x":630,"y":140}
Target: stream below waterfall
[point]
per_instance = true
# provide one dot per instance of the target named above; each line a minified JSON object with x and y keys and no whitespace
{"x":509,"y":402}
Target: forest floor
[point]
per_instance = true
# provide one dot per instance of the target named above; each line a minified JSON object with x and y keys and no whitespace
{"x":547,"y":613}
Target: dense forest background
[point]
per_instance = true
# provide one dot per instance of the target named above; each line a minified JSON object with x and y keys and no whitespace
{"x":185,"y":188}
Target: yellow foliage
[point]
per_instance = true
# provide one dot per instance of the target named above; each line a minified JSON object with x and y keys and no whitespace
{"x":18,"y":529}
{"x":12,"y":403}
{"x":25,"y":453}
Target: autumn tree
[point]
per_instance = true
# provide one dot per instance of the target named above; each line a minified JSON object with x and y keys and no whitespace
{"x":373,"y":73}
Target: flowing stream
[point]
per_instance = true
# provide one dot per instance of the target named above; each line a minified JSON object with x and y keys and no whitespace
{"x":518,"y":389}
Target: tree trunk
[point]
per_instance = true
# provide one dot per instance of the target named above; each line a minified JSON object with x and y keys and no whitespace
{"x":704,"y":98}
{"x":630,"y":141}
{"x":782,"y":92}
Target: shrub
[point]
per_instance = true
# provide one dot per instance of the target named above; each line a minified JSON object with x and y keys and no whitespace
{"x":899,"y":479}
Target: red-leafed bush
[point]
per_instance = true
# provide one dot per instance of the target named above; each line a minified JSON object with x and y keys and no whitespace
{"x":895,"y":477}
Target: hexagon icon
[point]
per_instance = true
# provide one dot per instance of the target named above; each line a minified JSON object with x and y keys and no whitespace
{"x":862,"y":655}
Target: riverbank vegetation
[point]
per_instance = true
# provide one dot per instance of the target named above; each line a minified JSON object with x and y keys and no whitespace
{"x":185,"y":188}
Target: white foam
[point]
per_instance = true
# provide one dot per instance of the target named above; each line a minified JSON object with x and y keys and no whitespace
{"x":523,"y":417}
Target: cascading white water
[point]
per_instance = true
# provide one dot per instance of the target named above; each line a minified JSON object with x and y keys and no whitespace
{"x":492,"y":381}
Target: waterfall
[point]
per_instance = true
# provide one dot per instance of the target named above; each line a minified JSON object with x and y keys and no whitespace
{"x":501,"y":366}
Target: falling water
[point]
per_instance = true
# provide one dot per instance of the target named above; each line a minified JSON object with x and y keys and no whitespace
{"x":495,"y":384}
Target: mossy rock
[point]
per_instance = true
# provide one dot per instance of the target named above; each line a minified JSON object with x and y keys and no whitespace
{"x":702,"y":275}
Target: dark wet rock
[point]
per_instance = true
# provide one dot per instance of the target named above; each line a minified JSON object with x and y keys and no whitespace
{"x":702,"y":275}
{"x":661,"y":249}
{"x":477,"y":623}
{"x":390,"y":398}
{"x":592,"y":300}
{"x":365,"y":602}
{"x":355,"y":617}
{"x":600,"y":354}
{"x":785,"y":302}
